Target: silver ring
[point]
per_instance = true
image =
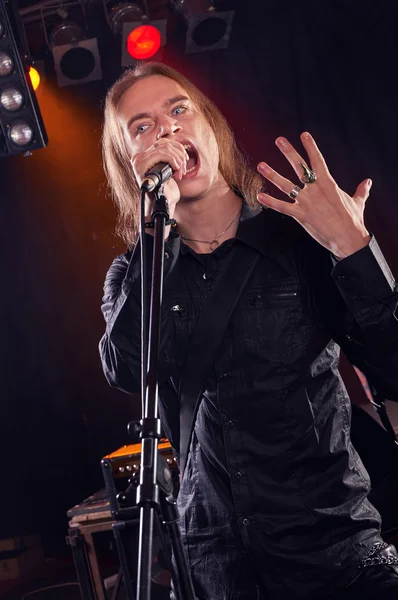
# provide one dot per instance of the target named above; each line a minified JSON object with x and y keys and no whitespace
{"x":295,"y":192}
{"x":309,"y":175}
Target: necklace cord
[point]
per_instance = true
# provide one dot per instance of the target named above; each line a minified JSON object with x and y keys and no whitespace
{"x":215,"y":240}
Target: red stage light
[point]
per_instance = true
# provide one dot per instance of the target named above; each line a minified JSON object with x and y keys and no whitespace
{"x":143,"y":42}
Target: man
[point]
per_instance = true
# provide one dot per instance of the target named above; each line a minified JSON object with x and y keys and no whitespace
{"x":273,"y":495}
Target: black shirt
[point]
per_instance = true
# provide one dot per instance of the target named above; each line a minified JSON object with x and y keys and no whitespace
{"x":271,"y":463}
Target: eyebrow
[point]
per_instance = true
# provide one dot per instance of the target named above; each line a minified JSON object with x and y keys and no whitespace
{"x":145,"y":115}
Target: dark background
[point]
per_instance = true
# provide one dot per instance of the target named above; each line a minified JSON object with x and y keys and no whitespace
{"x":327,"y":66}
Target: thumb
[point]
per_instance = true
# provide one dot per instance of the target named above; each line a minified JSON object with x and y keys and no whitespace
{"x":362,"y":191}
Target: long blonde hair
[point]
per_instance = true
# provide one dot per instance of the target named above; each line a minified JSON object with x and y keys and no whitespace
{"x":122,"y":183}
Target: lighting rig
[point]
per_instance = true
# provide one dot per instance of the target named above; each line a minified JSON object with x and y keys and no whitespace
{"x":21,"y":126}
{"x":132,"y":24}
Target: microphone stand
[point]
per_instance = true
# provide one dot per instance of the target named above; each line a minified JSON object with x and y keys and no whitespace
{"x":153,"y":500}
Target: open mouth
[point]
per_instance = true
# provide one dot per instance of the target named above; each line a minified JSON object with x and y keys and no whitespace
{"x":193,"y":161}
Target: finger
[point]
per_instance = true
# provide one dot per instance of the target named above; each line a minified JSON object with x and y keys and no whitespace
{"x":177,"y":150}
{"x":144,"y":161}
{"x":286,"y":207}
{"x":285,"y":185}
{"x":292,"y":156}
{"x":314,"y":154}
{"x":362,"y":191}
{"x":178,"y":147}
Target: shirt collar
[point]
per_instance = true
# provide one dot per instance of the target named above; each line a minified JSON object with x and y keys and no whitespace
{"x":253,"y":229}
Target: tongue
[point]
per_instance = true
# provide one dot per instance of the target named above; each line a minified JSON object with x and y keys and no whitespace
{"x":191,"y":162}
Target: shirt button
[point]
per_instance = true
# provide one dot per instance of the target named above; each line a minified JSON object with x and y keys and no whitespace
{"x":238,"y":475}
{"x":246,"y":522}
{"x":228,"y":424}
{"x":204,"y":276}
{"x":166,"y":255}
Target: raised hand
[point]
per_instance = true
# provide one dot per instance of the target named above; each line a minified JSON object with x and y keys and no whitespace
{"x":330,"y":215}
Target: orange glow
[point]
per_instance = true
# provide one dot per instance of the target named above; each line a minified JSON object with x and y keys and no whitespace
{"x":143,"y":42}
{"x":34,"y":77}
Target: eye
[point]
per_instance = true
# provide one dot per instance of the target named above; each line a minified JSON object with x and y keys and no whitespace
{"x":141,"y":128}
{"x":178,"y":110}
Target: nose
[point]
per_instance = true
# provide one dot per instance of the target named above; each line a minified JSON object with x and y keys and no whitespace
{"x":167,"y":128}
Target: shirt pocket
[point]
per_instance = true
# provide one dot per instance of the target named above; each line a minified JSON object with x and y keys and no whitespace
{"x":180,"y":320}
{"x":273,"y":323}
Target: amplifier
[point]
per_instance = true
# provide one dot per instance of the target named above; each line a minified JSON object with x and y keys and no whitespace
{"x":126,"y":460}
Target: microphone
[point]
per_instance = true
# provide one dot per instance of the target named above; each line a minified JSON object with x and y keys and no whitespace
{"x":157,"y":176}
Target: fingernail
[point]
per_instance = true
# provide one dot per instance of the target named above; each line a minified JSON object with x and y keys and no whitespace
{"x":370,"y":183}
{"x":282,"y":142}
{"x":262,"y":199}
{"x":264,"y":168}
{"x":305,"y":135}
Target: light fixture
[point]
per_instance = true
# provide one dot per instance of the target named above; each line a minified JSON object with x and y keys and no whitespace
{"x":76,"y":58}
{"x":11,"y":98}
{"x":77,"y":62}
{"x":143,"y":40}
{"x":21,"y":133}
{"x":209,"y":30}
{"x":6,"y":64}
{"x":21,"y":125}
{"x":34,"y":77}
{"x":123,"y":12}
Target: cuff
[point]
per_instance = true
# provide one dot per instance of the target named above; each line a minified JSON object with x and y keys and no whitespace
{"x":364,"y":277}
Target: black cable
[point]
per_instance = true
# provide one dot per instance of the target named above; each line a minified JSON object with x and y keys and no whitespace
{"x":144,"y":304}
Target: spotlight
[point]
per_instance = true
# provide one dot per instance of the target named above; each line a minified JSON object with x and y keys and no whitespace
{"x":208,"y":31}
{"x":6,"y":64}
{"x":77,"y":63}
{"x":123,"y":12}
{"x":11,"y":98}
{"x":21,"y":133}
{"x":34,"y":77}
{"x":21,"y":125}
{"x":76,"y":58}
{"x":142,"y":40}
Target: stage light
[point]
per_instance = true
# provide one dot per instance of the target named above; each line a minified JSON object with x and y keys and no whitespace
{"x":11,"y":98}
{"x":208,"y":31}
{"x":21,"y":133}
{"x":76,"y":58}
{"x":34,"y":77}
{"x":123,"y":12}
{"x":66,"y":32}
{"x":143,"y":42}
{"x":77,"y":63}
{"x":21,"y":126}
{"x":6,"y":64}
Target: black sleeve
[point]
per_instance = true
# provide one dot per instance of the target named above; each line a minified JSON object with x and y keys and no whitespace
{"x":120,"y":346}
{"x":358,"y":300}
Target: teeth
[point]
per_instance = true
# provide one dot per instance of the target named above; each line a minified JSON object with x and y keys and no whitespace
{"x":191,"y":169}
{"x":187,"y":146}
